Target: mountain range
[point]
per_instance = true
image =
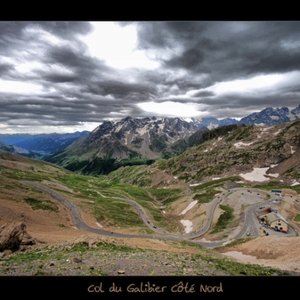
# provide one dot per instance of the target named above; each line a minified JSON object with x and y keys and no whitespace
{"x":269,"y":116}
{"x":131,"y":141}
{"x":141,"y":140}
{"x":41,"y":144}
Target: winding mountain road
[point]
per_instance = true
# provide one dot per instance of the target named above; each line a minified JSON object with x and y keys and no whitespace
{"x":248,"y":224}
{"x":81,"y":225}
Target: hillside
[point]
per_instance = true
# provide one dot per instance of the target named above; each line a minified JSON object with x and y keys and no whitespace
{"x":272,"y":152}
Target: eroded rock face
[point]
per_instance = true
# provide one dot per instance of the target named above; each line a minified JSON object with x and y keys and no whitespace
{"x":14,"y":237}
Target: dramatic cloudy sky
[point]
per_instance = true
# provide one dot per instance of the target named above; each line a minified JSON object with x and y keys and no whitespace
{"x":67,"y":76}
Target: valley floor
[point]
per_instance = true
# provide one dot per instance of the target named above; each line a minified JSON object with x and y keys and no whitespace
{"x":88,"y":225}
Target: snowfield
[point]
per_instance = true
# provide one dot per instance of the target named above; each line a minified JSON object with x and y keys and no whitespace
{"x":295,"y":183}
{"x":189,"y":207}
{"x":241,"y":144}
{"x":195,"y":184}
{"x":188,"y":225}
{"x":292,"y":150}
{"x":258,"y":174}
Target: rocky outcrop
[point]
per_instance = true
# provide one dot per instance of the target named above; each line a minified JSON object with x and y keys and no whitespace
{"x":14,"y":237}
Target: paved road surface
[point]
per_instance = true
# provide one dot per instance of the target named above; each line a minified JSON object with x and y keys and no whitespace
{"x":249,"y":224}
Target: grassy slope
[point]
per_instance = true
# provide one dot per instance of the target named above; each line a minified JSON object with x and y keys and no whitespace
{"x":103,"y":257}
{"x":99,"y":191}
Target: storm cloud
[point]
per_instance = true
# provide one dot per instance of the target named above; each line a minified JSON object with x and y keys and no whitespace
{"x":64,"y":76}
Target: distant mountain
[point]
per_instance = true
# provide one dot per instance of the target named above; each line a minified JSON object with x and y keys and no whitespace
{"x":130,"y":140}
{"x":272,"y":116}
{"x":17,"y":150}
{"x":211,"y":123}
{"x":268,"y":116}
{"x":42,"y":144}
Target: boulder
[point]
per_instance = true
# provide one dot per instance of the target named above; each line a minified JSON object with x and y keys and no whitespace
{"x":14,"y":236}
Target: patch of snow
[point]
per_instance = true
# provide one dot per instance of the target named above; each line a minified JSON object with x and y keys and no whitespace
{"x":274,"y":117}
{"x":220,"y":138}
{"x":188,"y":225}
{"x":277,"y":132}
{"x":175,"y":177}
{"x":164,"y":212}
{"x":274,"y":175}
{"x":189,"y":120}
{"x":206,"y":150}
{"x":119,"y":127}
{"x":142,"y":130}
{"x":189,"y":207}
{"x":295,"y":183}
{"x":258,"y":174}
{"x":273,"y":165}
{"x":266,"y":129}
{"x":216,"y":178}
{"x":99,"y":225}
{"x":240,"y":182}
{"x":241,"y":144}
{"x":292,"y":150}
{"x":260,"y":125}
{"x":195,"y":184}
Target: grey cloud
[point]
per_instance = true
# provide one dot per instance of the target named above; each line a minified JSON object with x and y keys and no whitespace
{"x":121,"y":89}
{"x":5,"y":69}
{"x":57,"y":77}
{"x":76,"y":60}
{"x":204,"y":94}
{"x":65,"y":29}
{"x":226,"y":49}
{"x":91,"y":91}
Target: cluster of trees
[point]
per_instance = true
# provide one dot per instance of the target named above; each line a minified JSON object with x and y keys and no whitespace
{"x":105,"y":165}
